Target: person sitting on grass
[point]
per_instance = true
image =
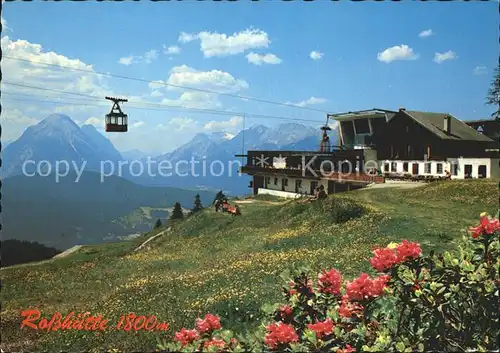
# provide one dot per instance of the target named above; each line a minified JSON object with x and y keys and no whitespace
{"x":322,"y":194}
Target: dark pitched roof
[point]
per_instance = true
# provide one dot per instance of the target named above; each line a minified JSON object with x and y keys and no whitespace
{"x":459,"y":129}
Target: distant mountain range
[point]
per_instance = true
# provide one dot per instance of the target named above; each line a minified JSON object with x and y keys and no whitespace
{"x":84,"y":208}
{"x":58,"y":138}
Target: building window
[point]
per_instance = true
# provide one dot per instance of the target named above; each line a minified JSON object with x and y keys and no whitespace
{"x":286,"y":182}
{"x":275,"y":181}
{"x":299,"y":183}
{"x":427,"y":168}
{"x":415,"y":168}
{"x":386,"y":167}
{"x":362,"y":126}
{"x":481,"y":171}
{"x":394,"y":167}
{"x":468,"y":171}
{"x":268,"y":180}
{"x":405,"y":166}
{"x":454,"y":169}
{"x":439,"y":168}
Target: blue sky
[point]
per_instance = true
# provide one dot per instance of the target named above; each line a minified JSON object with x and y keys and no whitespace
{"x":371,"y":55}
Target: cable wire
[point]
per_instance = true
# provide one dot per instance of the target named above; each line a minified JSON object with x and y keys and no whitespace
{"x":256,"y":116}
{"x":167,"y":84}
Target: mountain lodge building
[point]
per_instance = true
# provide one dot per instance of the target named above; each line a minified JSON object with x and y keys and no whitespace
{"x":378,"y":145}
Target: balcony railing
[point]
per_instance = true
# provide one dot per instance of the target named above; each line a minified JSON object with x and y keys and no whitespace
{"x":314,"y":174}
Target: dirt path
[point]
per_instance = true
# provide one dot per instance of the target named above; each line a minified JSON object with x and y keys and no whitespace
{"x":152,"y":238}
{"x":68,"y":251}
{"x":403,"y":185}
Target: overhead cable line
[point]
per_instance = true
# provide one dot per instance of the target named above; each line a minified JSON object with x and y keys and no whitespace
{"x":207,"y":111}
{"x":226,"y":113}
{"x":168,"y":84}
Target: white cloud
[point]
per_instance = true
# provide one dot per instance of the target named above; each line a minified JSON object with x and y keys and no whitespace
{"x":398,"y":52}
{"x":147,"y":58}
{"x":137,"y":124}
{"x":179,"y":124}
{"x":231,"y":124}
{"x":316,"y":55}
{"x":14,"y":122}
{"x":214,"y":80}
{"x":187,"y":37}
{"x":480,"y":70}
{"x":440,"y":57}
{"x":259,"y":59}
{"x":171,"y":50}
{"x":426,"y":33}
{"x":97,"y":122}
{"x":193,"y":99}
{"x":5,"y":26}
{"x":36,"y":75}
{"x":156,"y":93}
{"x":127,"y":60}
{"x":185,"y":76}
{"x":220,"y":44}
{"x":309,"y":101}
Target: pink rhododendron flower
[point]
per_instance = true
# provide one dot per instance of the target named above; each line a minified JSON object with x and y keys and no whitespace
{"x":209,"y":323}
{"x":384,"y":259}
{"x":322,"y":328}
{"x":486,"y":226}
{"x":185,"y":336}
{"x":408,"y":250}
{"x":280,"y":333}
{"x":330,"y":282}
{"x":364,"y":287}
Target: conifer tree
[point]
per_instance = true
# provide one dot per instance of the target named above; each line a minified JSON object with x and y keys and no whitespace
{"x":158,"y":224}
{"x":197,"y":204}
{"x":493,"y":97}
{"x":177,"y":212}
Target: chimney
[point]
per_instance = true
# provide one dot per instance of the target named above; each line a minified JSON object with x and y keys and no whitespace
{"x":447,"y":124}
{"x":402,"y":109}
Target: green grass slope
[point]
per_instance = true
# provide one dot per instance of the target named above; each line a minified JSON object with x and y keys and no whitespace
{"x":230,"y":265}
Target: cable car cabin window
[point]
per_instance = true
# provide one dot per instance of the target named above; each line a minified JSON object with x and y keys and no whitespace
{"x":362,"y":126}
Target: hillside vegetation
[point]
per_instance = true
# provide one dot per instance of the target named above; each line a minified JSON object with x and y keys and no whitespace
{"x":213,"y":262}
{"x":64,"y":213}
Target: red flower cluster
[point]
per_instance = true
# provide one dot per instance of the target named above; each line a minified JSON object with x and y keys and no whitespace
{"x":408,"y":250}
{"x":349,"y":309}
{"x":486,"y":226}
{"x":385,"y":258}
{"x":280,"y":333}
{"x":185,"y":336}
{"x":347,"y":349}
{"x":364,"y":287}
{"x":322,"y":328}
{"x":209,"y":323}
{"x":286,"y":311}
{"x":215,"y":342}
{"x":330,"y":282}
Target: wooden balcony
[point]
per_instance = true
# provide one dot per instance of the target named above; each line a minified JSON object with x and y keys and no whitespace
{"x":354,"y":177}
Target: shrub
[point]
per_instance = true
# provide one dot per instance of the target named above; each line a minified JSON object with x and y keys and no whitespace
{"x":445,"y":302}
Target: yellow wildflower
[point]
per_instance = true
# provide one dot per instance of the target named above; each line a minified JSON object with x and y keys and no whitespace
{"x":392,"y":245}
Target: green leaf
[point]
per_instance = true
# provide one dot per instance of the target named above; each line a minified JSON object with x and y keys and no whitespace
{"x":400,"y":346}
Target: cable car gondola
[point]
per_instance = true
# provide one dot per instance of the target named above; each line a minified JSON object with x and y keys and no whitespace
{"x":116,"y":120}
